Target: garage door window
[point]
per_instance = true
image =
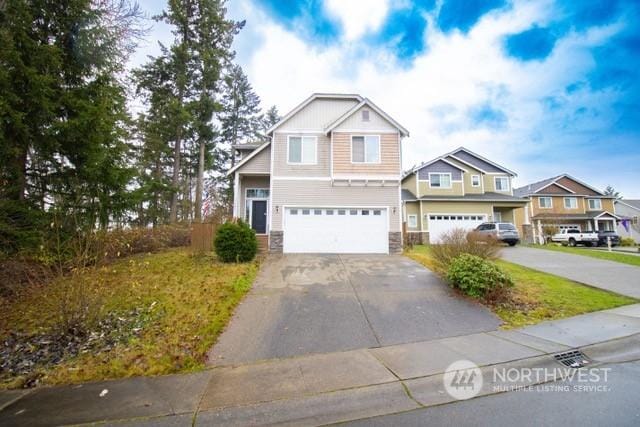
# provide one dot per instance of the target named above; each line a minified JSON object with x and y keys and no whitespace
{"x":365,"y":212}
{"x":317,"y":212}
{"x":377,"y":212}
{"x":341,"y":212}
{"x":353,"y":212}
{"x":294,"y":211}
{"x":305,"y":212}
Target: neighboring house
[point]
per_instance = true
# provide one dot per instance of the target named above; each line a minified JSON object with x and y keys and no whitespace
{"x":564,"y":202}
{"x":460,"y":189}
{"x":629,"y":213}
{"x":327,"y":180}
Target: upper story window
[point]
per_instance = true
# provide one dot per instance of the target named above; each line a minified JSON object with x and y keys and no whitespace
{"x":440,"y":180}
{"x":570,"y":203}
{"x":595,"y":204}
{"x":475,"y":180}
{"x":502,"y":183}
{"x":545,"y":202}
{"x":365,"y":149}
{"x":302,"y":150}
{"x":365,"y":116}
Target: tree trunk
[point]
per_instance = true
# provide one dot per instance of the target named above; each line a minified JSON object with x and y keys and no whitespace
{"x":200,"y":183}
{"x":175,"y":181}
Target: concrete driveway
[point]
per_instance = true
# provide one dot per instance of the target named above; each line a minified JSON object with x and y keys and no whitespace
{"x":303,"y":304}
{"x":613,"y":276}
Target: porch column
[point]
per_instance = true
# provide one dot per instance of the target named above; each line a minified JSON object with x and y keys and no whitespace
{"x":236,"y":195}
{"x":540,"y":234}
{"x":595,"y":224}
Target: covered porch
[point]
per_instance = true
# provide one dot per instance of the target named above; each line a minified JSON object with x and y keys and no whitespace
{"x":547,"y":224}
{"x":252,"y":201}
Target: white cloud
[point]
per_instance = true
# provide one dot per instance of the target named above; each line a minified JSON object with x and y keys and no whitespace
{"x":358,"y":16}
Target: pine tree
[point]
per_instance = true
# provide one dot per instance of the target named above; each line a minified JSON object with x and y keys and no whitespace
{"x":271,"y":117}
{"x":610,"y":191}
{"x":240,"y":118}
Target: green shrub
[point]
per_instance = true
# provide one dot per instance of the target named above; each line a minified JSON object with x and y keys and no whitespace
{"x":476,"y":276}
{"x":235,"y":242}
{"x":457,"y":242}
{"x":627,"y":241}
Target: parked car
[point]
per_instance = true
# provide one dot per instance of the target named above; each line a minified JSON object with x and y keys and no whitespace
{"x":497,"y":231}
{"x":604,"y":235}
{"x":573,"y":237}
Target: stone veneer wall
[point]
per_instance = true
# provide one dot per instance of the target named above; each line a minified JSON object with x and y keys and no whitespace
{"x":395,"y":242}
{"x":276,"y":241}
{"x":417,"y":238}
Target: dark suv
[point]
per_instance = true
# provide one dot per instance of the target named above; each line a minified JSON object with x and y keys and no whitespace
{"x":602,"y":238}
{"x":497,"y":231}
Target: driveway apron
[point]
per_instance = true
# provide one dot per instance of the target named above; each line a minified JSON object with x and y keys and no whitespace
{"x":303,"y":304}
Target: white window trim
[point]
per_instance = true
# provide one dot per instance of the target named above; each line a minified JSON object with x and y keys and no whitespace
{"x":598,"y":208}
{"x":415,"y":218}
{"x":302,"y":162}
{"x":479,"y":181}
{"x":365,"y":151}
{"x":550,"y":202}
{"x":495,"y":184}
{"x":569,"y":207}
{"x":441,"y":173}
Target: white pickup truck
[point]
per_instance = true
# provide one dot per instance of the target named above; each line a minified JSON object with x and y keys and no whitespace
{"x":572,"y":237}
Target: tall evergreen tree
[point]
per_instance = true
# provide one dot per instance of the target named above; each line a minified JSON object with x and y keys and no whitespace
{"x":240,"y":118}
{"x":271,"y":117}
{"x":183,"y":81}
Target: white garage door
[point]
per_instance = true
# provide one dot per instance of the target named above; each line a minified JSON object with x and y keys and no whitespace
{"x":440,"y":224}
{"x":336,"y":230}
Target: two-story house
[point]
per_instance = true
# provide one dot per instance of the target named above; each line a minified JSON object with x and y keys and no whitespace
{"x":327,"y":180}
{"x":460,"y":189}
{"x":563,"y":202}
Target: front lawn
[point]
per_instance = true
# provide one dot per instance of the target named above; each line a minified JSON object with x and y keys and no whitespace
{"x":168,"y":309}
{"x":539,"y":296}
{"x":594,"y":253}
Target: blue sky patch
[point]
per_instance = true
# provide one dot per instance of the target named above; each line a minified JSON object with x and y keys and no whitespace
{"x":533,"y":44}
{"x":463,"y":14}
{"x":306,"y":16}
{"x":403,"y":31}
{"x":486,"y":115}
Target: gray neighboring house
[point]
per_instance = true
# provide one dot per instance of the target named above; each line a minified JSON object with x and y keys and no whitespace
{"x":327,"y":180}
{"x":629,"y":212}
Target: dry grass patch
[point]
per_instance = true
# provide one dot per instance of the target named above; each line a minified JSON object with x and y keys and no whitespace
{"x":179,"y":302}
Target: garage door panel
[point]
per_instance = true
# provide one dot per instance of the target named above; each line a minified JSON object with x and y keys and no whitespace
{"x":440,"y":224}
{"x":336,"y":230}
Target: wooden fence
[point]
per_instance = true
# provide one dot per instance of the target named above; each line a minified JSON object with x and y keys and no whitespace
{"x":202,"y":236}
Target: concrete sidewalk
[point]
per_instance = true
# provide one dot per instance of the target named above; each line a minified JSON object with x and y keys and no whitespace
{"x":323,"y":388}
{"x":612,"y":276}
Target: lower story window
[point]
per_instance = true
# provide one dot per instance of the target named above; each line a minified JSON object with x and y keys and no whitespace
{"x":412,"y":221}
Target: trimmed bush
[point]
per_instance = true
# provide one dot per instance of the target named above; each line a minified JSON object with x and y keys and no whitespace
{"x":476,"y":276}
{"x":236,"y":242}
{"x":457,"y":242}
{"x":627,"y":241}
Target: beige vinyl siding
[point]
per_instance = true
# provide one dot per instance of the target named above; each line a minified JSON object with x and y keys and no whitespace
{"x":490,"y":186}
{"x":607,"y":205}
{"x":455,"y":190}
{"x":250,"y":182}
{"x":558,"y":205}
{"x":280,"y":156}
{"x":260,"y":163}
{"x":316,"y":193}
{"x":409,"y":183}
{"x":412,"y":208}
{"x":376,"y":122}
{"x":389,"y":155}
{"x":466,"y":177}
{"x":318,"y":115}
{"x":519,"y":218}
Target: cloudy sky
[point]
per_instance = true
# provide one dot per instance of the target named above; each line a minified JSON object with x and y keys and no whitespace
{"x":543,"y":87}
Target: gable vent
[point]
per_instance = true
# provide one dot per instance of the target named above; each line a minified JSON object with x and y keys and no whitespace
{"x":365,"y":115}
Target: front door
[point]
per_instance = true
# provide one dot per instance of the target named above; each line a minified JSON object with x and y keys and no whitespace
{"x":259,"y":216}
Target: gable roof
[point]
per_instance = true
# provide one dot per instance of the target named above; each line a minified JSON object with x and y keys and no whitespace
{"x":362,"y":103}
{"x":249,"y":157}
{"x":307,"y":102}
{"x":444,"y":159}
{"x":540,"y":185}
{"x":634,"y":204}
{"x":477,"y":161}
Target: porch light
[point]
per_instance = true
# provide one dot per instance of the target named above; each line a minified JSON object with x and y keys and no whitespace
{"x":277,"y":208}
